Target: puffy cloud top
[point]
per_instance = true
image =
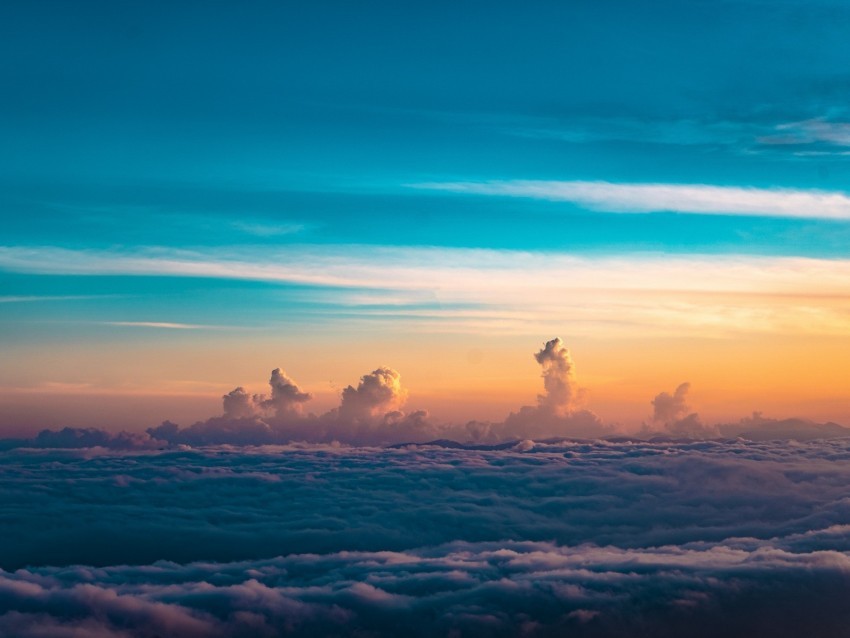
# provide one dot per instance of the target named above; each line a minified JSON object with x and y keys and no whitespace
{"x":559,"y":380}
{"x":370,"y":414}
{"x":238,"y":404}
{"x":286,"y":399}
{"x":668,"y":408}
{"x":377,"y":394}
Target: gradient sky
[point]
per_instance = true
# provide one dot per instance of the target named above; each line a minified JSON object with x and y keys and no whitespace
{"x":196,"y":193}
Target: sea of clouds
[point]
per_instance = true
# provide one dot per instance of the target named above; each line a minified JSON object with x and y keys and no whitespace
{"x":603,"y":538}
{"x":365,"y":520}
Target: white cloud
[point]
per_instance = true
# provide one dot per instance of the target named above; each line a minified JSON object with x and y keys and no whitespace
{"x":37,"y":298}
{"x":474,"y":290}
{"x":268,"y":230}
{"x":167,"y":325}
{"x":810,"y":132}
{"x":702,"y":199}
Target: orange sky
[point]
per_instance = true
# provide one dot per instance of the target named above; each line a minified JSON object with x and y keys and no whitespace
{"x":456,"y":378}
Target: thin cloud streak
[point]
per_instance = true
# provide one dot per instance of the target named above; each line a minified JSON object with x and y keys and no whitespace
{"x":457,"y":290}
{"x":39,"y":298}
{"x":810,"y":132}
{"x":451,"y":269}
{"x":700,"y":199}
{"x":167,"y":325}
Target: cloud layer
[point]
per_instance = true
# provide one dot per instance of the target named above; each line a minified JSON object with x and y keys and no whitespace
{"x":459,"y":290}
{"x":541,"y":540}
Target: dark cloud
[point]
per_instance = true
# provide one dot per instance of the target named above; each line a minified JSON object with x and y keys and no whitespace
{"x":81,"y":438}
{"x":760,"y":428}
{"x":543,"y":539}
{"x":504,"y":589}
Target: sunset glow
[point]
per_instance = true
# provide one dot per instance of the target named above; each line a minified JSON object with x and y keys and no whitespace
{"x":424,"y":319}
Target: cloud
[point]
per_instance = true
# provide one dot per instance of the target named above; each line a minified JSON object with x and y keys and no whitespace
{"x":809,"y":132}
{"x":701,"y":199}
{"x":159,"y":324}
{"x":72,"y":438}
{"x":260,"y":229}
{"x":675,"y":132}
{"x":509,"y":588}
{"x":558,"y":378}
{"x":760,"y":428}
{"x":668,"y":408}
{"x":371,"y":414}
{"x":672,"y":413}
{"x":516,"y":292}
{"x":286,"y":399}
{"x":238,"y":404}
{"x":376,"y":394}
{"x":41,"y":298}
{"x":590,"y":539}
{"x":556,"y":412}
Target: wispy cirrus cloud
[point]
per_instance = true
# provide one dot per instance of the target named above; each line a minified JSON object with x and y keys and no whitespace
{"x":261,"y":229}
{"x":166,"y":325}
{"x":462,"y":270}
{"x":700,"y":199}
{"x":809,"y":132}
{"x":463,"y":290}
{"x":814,"y":137}
{"x":39,"y":298}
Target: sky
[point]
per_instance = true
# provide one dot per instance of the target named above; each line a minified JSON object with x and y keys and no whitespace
{"x":452,"y":319}
{"x":195,"y":195}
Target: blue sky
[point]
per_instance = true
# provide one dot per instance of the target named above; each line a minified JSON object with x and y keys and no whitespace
{"x":210,"y":125}
{"x":265,"y":132}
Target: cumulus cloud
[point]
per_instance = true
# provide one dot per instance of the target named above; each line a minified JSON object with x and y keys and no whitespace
{"x":557,"y":411}
{"x":371,"y":414}
{"x":286,"y":399}
{"x":368,"y":414}
{"x":667,"y":407}
{"x":671,"y":412}
{"x":558,"y":378}
{"x":238,"y":404}
{"x":377,"y":394}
